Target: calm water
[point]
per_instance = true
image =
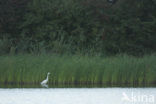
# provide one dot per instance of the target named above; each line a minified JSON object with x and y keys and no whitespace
{"x":77,"y":95}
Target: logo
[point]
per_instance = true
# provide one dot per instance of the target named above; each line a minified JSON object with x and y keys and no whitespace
{"x":138,"y":98}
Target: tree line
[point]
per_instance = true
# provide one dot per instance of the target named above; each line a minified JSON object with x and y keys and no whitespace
{"x":78,"y":26}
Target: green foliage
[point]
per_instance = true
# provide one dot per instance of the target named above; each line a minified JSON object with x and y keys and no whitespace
{"x":84,"y":26}
{"x":11,"y":14}
{"x":64,"y":21}
{"x":4,"y":46}
{"x":133,"y":30}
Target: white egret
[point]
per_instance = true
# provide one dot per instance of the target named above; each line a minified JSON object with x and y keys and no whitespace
{"x":44,"y":82}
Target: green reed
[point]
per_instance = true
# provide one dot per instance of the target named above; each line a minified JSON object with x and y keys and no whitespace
{"x":76,"y":69}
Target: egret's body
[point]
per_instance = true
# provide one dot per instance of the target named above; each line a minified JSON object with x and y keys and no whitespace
{"x":44,"y":82}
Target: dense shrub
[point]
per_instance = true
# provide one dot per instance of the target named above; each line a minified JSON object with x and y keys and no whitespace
{"x":84,"y":26}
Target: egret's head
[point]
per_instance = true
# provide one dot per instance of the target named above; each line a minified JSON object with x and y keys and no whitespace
{"x":48,"y":73}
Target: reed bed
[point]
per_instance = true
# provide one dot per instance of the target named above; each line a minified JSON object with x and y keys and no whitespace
{"x":76,"y":69}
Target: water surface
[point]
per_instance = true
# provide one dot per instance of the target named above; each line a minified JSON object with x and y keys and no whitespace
{"x":77,"y":95}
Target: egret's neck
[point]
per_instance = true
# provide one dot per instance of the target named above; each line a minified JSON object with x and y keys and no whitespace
{"x":47,"y":77}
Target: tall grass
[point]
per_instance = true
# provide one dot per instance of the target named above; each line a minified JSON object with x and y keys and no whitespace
{"x":66,"y":69}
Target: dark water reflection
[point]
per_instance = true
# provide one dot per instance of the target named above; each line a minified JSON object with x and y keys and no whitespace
{"x":72,"y":86}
